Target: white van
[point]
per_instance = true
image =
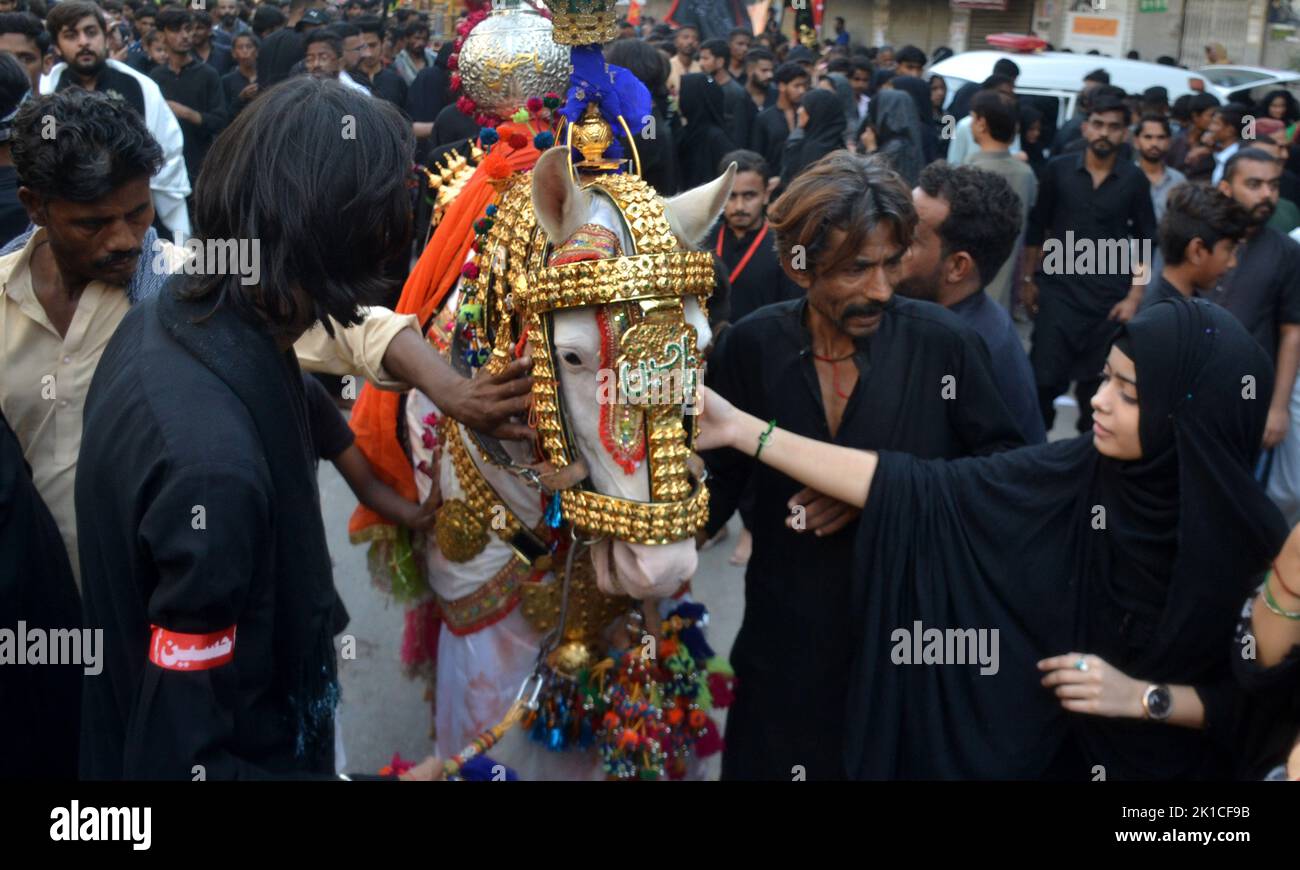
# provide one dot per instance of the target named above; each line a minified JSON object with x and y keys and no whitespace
{"x":1059,"y":75}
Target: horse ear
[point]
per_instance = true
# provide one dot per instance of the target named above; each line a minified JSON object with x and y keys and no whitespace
{"x":557,"y":201}
{"x":693,"y":212}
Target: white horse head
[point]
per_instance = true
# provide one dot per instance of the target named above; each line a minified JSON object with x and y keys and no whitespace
{"x":562,"y":209}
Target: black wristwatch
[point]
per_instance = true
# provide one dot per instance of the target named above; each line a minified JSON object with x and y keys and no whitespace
{"x":1158,"y":702}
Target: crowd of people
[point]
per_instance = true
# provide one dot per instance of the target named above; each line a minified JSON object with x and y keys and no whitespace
{"x":878,"y":405}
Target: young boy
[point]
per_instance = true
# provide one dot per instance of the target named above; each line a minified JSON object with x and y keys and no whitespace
{"x":334,"y":442}
{"x":1199,"y":235}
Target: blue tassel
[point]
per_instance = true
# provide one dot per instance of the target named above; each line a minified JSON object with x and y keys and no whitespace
{"x":481,"y":768}
{"x":553,"y":515}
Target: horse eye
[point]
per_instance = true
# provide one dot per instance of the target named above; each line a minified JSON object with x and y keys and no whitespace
{"x":572,"y":358}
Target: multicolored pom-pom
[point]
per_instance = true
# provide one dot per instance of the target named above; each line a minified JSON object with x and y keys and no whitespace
{"x":551,"y":100}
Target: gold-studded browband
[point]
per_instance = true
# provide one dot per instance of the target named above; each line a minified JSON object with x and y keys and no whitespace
{"x":622,"y":279}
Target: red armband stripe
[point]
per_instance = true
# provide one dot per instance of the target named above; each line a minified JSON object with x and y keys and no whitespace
{"x":177,"y":651}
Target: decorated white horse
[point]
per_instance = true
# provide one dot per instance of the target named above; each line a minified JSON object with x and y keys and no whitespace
{"x":595,"y":277}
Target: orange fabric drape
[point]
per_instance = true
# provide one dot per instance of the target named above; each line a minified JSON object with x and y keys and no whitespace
{"x":374,"y":417}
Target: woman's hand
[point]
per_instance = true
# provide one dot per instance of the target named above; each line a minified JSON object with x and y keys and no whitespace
{"x":1088,"y":684}
{"x":868,"y":139}
{"x":717,"y":420}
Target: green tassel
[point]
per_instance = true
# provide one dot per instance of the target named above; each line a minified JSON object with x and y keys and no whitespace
{"x":407,"y":585}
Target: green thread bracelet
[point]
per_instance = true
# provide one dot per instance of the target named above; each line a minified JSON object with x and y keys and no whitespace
{"x":763,"y":439}
{"x":1272,"y":604}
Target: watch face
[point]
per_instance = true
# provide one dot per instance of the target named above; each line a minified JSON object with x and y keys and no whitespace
{"x":1158,"y":702}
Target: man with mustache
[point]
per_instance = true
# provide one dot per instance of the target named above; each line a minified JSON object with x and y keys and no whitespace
{"x":968,"y":223}
{"x":229,"y":24}
{"x":1089,"y":203}
{"x":1264,"y":290}
{"x":77,"y":27}
{"x":852,"y":364}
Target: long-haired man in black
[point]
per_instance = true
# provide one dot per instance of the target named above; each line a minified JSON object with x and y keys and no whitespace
{"x":206,"y":562}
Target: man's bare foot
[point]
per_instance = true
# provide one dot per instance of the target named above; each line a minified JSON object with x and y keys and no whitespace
{"x":740,"y":555}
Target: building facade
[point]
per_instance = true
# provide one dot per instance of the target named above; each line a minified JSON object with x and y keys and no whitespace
{"x":1254,"y":32}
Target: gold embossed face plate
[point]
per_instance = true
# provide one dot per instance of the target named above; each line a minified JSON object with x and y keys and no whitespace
{"x":520,"y":293}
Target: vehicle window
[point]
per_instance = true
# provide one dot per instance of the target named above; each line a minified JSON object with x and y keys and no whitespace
{"x":1232,"y":78}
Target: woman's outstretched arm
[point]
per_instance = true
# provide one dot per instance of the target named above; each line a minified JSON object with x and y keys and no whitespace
{"x":839,"y":472}
{"x":1277,"y":634}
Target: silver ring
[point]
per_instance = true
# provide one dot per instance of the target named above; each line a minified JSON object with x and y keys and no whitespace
{"x":1081,"y":664}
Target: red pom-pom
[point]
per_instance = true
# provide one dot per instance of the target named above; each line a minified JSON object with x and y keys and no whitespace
{"x":534,"y":104}
{"x":720,"y":687}
{"x":709,"y":741}
{"x":470,"y":271}
{"x":453,"y":62}
{"x":455,"y":81}
{"x":698,"y":719}
{"x":466,"y":106}
{"x":517,"y":140}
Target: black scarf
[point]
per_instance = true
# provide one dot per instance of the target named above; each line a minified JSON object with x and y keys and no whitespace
{"x":919,"y":91}
{"x":1009,"y":542}
{"x":825,"y":130}
{"x":703,"y":138}
{"x":269,"y":383}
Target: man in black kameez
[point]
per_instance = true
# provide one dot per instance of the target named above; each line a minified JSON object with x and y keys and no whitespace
{"x":744,"y":240}
{"x":1090,"y":205}
{"x":854,"y":365}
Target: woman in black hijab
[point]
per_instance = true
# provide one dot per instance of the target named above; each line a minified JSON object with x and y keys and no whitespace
{"x":702,"y":139}
{"x":820,"y":132}
{"x":899,"y":136}
{"x":1112,"y":567}
{"x":1031,"y":137}
{"x":919,"y":91}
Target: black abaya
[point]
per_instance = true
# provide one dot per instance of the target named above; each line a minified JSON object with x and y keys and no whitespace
{"x":1010,"y":542}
